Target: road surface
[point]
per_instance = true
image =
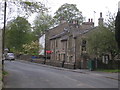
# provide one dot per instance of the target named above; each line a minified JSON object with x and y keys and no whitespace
{"x":31,"y":75}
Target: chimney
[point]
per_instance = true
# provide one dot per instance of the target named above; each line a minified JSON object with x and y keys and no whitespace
{"x":75,"y":23}
{"x":100,"y":20}
{"x":100,"y":14}
{"x":91,"y":20}
{"x":88,"y":25}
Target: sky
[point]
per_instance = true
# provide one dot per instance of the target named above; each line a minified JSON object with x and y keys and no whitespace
{"x":86,"y":6}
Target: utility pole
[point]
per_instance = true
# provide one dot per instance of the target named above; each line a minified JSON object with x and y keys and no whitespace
{"x":75,"y":52}
{"x":5,"y":5}
{"x":45,"y":54}
{"x":3,"y":33}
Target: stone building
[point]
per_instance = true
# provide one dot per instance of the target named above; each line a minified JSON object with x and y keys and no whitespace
{"x":68,"y":43}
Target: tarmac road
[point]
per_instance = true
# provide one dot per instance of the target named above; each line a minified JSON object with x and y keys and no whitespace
{"x":32,"y":75}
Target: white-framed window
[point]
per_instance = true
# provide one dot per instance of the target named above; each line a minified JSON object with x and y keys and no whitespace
{"x":105,"y":59}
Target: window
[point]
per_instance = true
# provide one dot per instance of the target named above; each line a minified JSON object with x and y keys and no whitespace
{"x":83,"y":42}
{"x":59,"y":57}
{"x":83,"y":45}
{"x":63,"y":45}
{"x":105,"y":59}
{"x":56,"y":43}
{"x":70,"y":58}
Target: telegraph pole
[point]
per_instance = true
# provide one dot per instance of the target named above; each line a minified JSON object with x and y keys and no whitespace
{"x":5,"y":5}
{"x":45,"y":54}
{"x":3,"y":34}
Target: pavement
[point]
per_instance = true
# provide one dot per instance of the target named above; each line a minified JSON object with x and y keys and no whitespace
{"x":114,"y":76}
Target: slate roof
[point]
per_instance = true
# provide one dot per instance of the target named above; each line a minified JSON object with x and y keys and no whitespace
{"x":74,"y":31}
{"x":64,"y":38}
{"x":58,"y":35}
{"x":81,"y":32}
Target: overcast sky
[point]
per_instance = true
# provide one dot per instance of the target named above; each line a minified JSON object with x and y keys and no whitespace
{"x":86,"y":6}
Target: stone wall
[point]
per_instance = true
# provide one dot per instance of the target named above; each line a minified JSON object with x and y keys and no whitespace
{"x":38,"y":59}
{"x":25,"y":57}
{"x":0,"y":59}
{"x":53,"y":32}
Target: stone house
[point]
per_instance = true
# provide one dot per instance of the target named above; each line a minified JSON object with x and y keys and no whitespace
{"x":68,"y":44}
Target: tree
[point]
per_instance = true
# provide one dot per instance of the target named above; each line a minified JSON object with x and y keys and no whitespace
{"x":17,"y":34}
{"x":31,"y":7}
{"x":41,"y":23}
{"x":117,"y":29}
{"x":102,"y":41}
{"x":110,"y":22}
{"x":68,"y":12}
{"x":32,"y":48}
{"x":21,"y":8}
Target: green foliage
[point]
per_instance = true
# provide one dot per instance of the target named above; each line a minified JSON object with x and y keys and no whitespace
{"x":32,"y":48}
{"x":102,"y":41}
{"x":18,"y":32}
{"x":68,"y":12}
{"x":109,"y":70}
{"x":22,"y":8}
{"x":42,"y":22}
{"x":31,"y":7}
{"x":28,"y":3}
{"x":5,"y":73}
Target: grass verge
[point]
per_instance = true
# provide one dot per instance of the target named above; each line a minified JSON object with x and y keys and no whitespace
{"x":109,"y":70}
{"x":5,"y":73}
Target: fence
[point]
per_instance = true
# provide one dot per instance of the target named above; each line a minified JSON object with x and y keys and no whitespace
{"x":112,"y":64}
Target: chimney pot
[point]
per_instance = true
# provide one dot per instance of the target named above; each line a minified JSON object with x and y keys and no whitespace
{"x":101,"y":14}
{"x":89,"y":20}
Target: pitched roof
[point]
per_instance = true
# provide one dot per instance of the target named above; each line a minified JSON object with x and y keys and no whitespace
{"x":81,"y":32}
{"x":64,"y":38}
{"x":58,"y":35}
{"x":69,"y":29}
